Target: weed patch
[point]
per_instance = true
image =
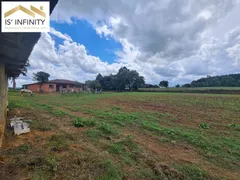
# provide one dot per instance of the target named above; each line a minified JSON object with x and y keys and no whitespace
{"x":17,"y":104}
{"x":80,"y":122}
{"x":204,"y":126}
{"x":116,"y":148}
{"x":191,"y":171}
{"x":116,"y":108}
{"x":24,"y":148}
{"x":112,"y":172}
{"x":116,"y":116}
{"x":127,"y":149}
{"x":59,"y":113}
{"x":94,"y":134}
{"x":59,"y":142}
{"x":44,"y":167}
{"x":41,"y":125}
{"x":168,"y":116}
{"x":106,"y":128}
{"x":234,"y":126}
{"x":44,"y":106}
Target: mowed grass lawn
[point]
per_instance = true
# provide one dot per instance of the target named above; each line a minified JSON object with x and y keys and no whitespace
{"x":124,"y":136}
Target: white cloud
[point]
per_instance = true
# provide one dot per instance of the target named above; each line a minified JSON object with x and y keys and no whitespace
{"x":60,"y":35}
{"x":234,"y":52}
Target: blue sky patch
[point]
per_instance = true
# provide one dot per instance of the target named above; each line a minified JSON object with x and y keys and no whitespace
{"x":82,"y":32}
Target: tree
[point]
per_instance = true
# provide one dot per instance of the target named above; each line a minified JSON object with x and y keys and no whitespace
{"x":122,"y":78}
{"x":155,"y":86}
{"x":163,"y":84}
{"x":238,"y":83}
{"x":41,"y":77}
{"x":106,"y":83}
{"x":186,"y":85}
{"x":137,"y":83}
{"x":133,"y":80}
{"x":79,"y":85}
{"x":215,"y":82}
{"x":149,"y":86}
{"x":99,"y":77}
{"x":177,"y":86}
{"x":228,"y":81}
{"x":115,"y":81}
{"x":93,"y":85}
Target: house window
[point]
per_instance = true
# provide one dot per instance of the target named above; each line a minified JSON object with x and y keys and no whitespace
{"x":71,"y":86}
{"x":51,"y":86}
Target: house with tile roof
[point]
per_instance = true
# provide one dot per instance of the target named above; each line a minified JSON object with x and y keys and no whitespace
{"x":56,"y":85}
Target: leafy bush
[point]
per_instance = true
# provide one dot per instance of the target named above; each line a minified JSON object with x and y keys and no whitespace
{"x":44,"y":106}
{"x":116,"y":148}
{"x":89,"y":122}
{"x":204,"y":126}
{"x":234,"y":126}
{"x":106,"y":128}
{"x":80,"y":122}
{"x":24,"y":147}
{"x":59,"y":113}
{"x":17,"y":104}
{"x":116,"y":108}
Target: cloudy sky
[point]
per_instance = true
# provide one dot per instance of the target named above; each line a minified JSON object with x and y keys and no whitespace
{"x":172,"y":40}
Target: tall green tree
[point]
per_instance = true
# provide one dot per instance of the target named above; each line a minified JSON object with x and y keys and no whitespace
{"x":41,"y":77}
{"x":187,"y":85}
{"x":93,"y":85}
{"x":214,"y":82}
{"x":163,"y":84}
{"x":99,"y":77}
{"x":238,"y":83}
{"x":122,"y":78}
{"x":228,"y":81}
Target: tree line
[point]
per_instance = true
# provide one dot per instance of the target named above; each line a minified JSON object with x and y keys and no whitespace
{"x":231,"y":80}
{"x":130,"y":80}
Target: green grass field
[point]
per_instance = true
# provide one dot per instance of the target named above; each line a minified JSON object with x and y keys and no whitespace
{"x":124,"y":136}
